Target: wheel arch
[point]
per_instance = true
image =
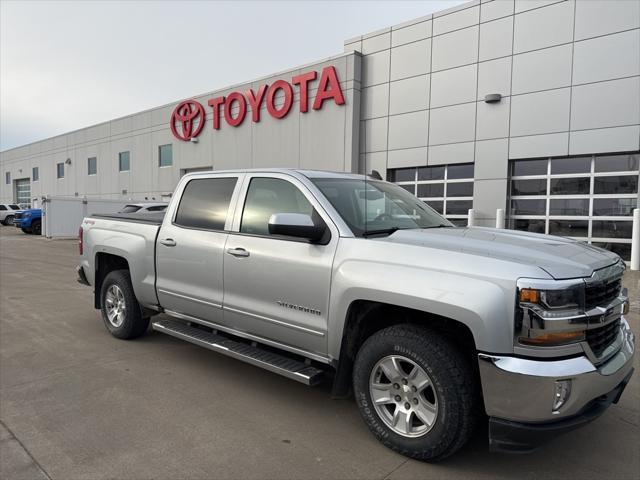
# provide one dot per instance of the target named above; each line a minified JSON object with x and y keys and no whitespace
{"x":365,"y":317}
{"x":106,"y":263}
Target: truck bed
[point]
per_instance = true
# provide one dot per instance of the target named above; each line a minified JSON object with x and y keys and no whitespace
{"x":152,"y":218}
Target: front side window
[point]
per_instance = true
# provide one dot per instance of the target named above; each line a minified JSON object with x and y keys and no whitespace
{"x":60,"y":170}
{"x":92,"y":166}
{"x":205,"y":203}
{"x":368,"y":206}
{"x":165,"y":155}
{"x":35,"y":174}
{"x":267,"y":196}
{"x":123,"y":162}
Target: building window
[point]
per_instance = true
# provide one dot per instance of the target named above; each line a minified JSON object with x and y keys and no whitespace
{"x":7,"y":177}
{"x":448,"y":189}
{"x":35,"y":174}
{"x":123,"y":162}
{"x":60,"y":170}
{"x":588,"y":198}
{"x":165,"y":155}
{"x":92,"y":166}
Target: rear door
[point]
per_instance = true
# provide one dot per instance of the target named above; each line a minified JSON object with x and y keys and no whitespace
{"x":277,"y":287}
{"x":190,"y":246}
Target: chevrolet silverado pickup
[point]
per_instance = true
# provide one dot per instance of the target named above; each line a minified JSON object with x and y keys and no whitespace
{"x":337,"y":277}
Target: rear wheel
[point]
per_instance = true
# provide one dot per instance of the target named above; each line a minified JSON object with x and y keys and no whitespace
{"x":415,"y":392}
{"x":120,"y":309}
{"x":8,"y":220}
{"x":36,"y":227}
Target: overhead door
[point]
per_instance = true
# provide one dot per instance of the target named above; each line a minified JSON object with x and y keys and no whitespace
{"x":22,"y":191}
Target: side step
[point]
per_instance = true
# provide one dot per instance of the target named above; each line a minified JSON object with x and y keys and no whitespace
{"x":257,"y":356}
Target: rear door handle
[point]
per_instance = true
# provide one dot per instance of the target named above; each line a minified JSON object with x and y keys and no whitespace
{"x":238,"y":252}
{"x":168,"y":242}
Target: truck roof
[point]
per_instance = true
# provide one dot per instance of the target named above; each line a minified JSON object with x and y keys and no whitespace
{"x":305,"y":172}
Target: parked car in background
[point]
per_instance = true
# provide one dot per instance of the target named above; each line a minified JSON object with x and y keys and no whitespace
{"x":144,"y":207}
{"x":7,"y":213}
{"x":30,"y":221}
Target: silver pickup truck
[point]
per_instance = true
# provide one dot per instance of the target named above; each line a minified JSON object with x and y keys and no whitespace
{"x":344,"y":278}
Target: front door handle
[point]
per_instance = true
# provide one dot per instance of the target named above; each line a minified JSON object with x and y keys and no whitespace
{"x":168,"y":242}
{"x":238,"y":252}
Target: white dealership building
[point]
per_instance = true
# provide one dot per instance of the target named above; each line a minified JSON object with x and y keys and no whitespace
{"x":529,"y":106}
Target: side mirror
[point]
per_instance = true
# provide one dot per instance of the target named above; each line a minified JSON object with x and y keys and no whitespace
{"x":296,"y":225}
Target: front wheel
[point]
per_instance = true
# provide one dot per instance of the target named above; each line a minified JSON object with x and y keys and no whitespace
{"x":36,"y":227}
{"x":415,"y":392}
{"x":26,"y":230}
{"x":120,"y":309}
{"x":8,"y":220}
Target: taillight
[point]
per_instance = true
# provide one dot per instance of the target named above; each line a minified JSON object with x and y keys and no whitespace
{"x":80,"y":240}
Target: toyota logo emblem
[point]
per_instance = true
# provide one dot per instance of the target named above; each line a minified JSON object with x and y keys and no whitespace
{"x":187,"y":120}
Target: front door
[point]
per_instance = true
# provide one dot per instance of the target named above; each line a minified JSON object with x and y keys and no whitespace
{"x":190,"y":248}
{"x":277,"y":287}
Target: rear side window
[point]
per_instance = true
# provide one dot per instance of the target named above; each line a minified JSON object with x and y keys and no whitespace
{"x":267,"y":196}
{"x":205,"y":203}
{"x":158,"y":208}
{"x":14,"y":207}
{"x":2,"y":207}
{"x":130,"y":209}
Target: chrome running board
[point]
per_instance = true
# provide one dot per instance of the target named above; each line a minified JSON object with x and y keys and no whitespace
{"x":249,"y":353}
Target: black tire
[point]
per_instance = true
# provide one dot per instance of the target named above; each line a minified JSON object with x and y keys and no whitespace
{"x":36,"y":227}
{"x":453,"y":385}
{"x":26,"y":230}
{"x":8,"y":220}
{"x":134,"y":324}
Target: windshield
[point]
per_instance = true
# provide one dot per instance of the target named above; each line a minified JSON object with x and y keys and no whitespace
{"x":370,"y":206}
{"x":130,"y":209}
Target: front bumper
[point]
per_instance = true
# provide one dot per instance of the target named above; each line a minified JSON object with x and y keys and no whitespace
{"x":521,"y":391}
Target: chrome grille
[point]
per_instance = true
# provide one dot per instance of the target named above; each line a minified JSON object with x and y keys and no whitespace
{"x":600,"y":338}
{"x":601,"y":294}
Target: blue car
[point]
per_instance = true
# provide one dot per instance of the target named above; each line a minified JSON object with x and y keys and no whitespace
{"x":30,"y":221}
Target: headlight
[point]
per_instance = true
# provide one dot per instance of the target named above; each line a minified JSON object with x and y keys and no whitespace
{"x":544,"y":312}
{"x":26,"y":214}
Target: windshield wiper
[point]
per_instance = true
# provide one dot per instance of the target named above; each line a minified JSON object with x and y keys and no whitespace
{"x":382,"y":231}
{"x":440,"y":225}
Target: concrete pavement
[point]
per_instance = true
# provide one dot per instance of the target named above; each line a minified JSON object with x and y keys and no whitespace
{"x":77,"y":403}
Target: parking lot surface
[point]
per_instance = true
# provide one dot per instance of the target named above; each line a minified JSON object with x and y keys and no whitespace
{"x":76,"y":403}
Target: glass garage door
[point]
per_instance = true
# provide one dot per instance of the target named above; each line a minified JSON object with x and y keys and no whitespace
{"x":448,"y":189}
{"x":22,"y":191}
{"x":588,"y":198}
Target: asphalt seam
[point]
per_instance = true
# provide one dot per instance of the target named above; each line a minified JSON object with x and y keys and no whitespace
{"x":24,"y":447}
{"x":386,"y":477}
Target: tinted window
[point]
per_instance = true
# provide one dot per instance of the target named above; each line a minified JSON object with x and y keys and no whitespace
{"x":460,"y":171}
{"x":438,"y":206}
{"x":569,"y":186}
{"x":123,"y":161}
{"x":2,"y":207}
{"x":431,"y":173}
{"x":460,"y":189}
{"x":205,"y":203}
{"x":459,"y":207}
{"x":35,"y":174}
{"x":60,"y":170}
{"x":92,"y":166}
{"x":267,"y":196}
{"x":617,"y":163}
{"x":605,"y":207}
{"x":409,"y":188}
{"x":622,"y":249}
{"x":571,"y":165}
{"x":7,"y":177}
{"x":13,"y":206}
{"x":611,"y":229}
{"x":528,"y":167}
{"x":431,"y":190}
{"x":528,"y":207}
{"x":537,"y":186}
{"x":159,"y":208}
{"x":535,"y":226}
{"x":569,"y":207}
{"x":402,"y":175}
{"x":617,"y":184}
{"x":130,"y":209}
{"x":569,"y":228}
{"x":165,"y":155}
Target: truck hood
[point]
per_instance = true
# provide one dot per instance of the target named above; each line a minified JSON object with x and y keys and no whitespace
{"x":562,"y":258}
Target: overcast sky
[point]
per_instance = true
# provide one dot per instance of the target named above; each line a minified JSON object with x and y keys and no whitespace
{"x":68,"y":65}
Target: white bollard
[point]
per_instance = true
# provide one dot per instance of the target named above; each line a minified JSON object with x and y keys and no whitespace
{"x":471,"y":219}
{"x":635,"y":241}
{"x":500,"y":218}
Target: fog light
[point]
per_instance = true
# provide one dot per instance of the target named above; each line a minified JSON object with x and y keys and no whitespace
{"x":561,"y":394}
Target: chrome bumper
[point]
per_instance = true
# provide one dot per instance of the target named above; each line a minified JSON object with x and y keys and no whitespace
{"x":523,"y":390}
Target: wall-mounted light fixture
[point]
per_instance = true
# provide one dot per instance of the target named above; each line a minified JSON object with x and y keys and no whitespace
{"x":492,"y":98}
{"x":194,"y":140}
{"x":68,"y":161}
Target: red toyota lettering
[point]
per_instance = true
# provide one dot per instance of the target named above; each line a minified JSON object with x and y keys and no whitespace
{"x":329,"y":87}
{"x":303,"y":82}
{"x":238,"y":98}
{"x":255,"y":101}
{"x":215,"y":103}
{"x":287,"y":89}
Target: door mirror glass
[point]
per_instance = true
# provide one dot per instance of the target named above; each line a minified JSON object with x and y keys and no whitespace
{"x":296,"y":225}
